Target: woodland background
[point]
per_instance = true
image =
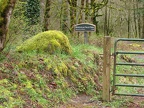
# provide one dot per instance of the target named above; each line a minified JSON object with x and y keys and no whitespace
{"x":118,"y":18}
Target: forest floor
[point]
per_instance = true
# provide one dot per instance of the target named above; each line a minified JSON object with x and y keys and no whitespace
{"x":85,"y":101}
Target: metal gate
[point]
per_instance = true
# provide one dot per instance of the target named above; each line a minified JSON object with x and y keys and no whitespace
{"x":115,"y":74}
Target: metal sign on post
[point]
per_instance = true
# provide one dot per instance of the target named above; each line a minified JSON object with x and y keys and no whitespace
{"x":85,"y":27}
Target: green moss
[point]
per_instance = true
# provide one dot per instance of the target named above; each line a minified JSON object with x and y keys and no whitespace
{"x":49,"y":41}
{"x":3,"y":4}
{"x":1,"y":21}
{"x":8,"y":99}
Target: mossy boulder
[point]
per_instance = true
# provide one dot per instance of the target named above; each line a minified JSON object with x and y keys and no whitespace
{"x":48,"y":41}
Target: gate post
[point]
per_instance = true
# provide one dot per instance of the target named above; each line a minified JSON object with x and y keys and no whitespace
{"x":106,"y":68}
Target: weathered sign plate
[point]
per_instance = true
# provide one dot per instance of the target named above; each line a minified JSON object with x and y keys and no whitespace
{"x":85,"y":27}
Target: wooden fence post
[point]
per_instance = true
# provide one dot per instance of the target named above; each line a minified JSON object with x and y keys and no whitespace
{"x":106,"y":68}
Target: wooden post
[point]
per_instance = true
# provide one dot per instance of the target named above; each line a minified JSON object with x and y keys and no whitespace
{"x":106,"y":68}
{"x":85,"y":37}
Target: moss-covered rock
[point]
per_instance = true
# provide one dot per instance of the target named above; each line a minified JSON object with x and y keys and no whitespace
{"x":50,"y":41}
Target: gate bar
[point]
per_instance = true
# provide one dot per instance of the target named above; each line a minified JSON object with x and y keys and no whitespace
{"x":129,"y":85}
{"x":123,"y":52}
{"x":140,"y":95}
{"x":130,"y":75}
{"x":130,"y":39}
{"x":132,"y":64}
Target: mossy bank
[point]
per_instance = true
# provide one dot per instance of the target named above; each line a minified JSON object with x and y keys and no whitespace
{"x":43,"y":80}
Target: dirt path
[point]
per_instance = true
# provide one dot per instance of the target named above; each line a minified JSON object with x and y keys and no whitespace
{"x":138,"y":102}
{"x":84,"y":101}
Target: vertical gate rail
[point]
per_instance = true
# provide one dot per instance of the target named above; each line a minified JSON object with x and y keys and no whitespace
{"x":130,"y":64}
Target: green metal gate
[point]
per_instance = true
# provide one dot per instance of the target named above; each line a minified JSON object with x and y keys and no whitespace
{"x":115,"y":74}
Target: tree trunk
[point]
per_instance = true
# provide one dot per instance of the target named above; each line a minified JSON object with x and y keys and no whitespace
{"x":106,"y":23}
{"x":42,"y":11}
{"x":81,"y":20}
{"x":73,"y":5}
{"x":128,"y":22}
{"x":135,"y":19}
{"x":64,"y":18}
{"x":128,"y":17}
{"x":143,"y":24}
{"x":78,"y":12}
{"x":88,"y":11}
{"x":5,"y":15}
{"x":143,"y":29}
{"x":47,"y":16}
{"x":139,"y":20}
{"x":95,"y":9}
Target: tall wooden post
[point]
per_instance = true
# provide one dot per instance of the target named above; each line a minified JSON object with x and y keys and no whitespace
{"x":106,"y":68}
